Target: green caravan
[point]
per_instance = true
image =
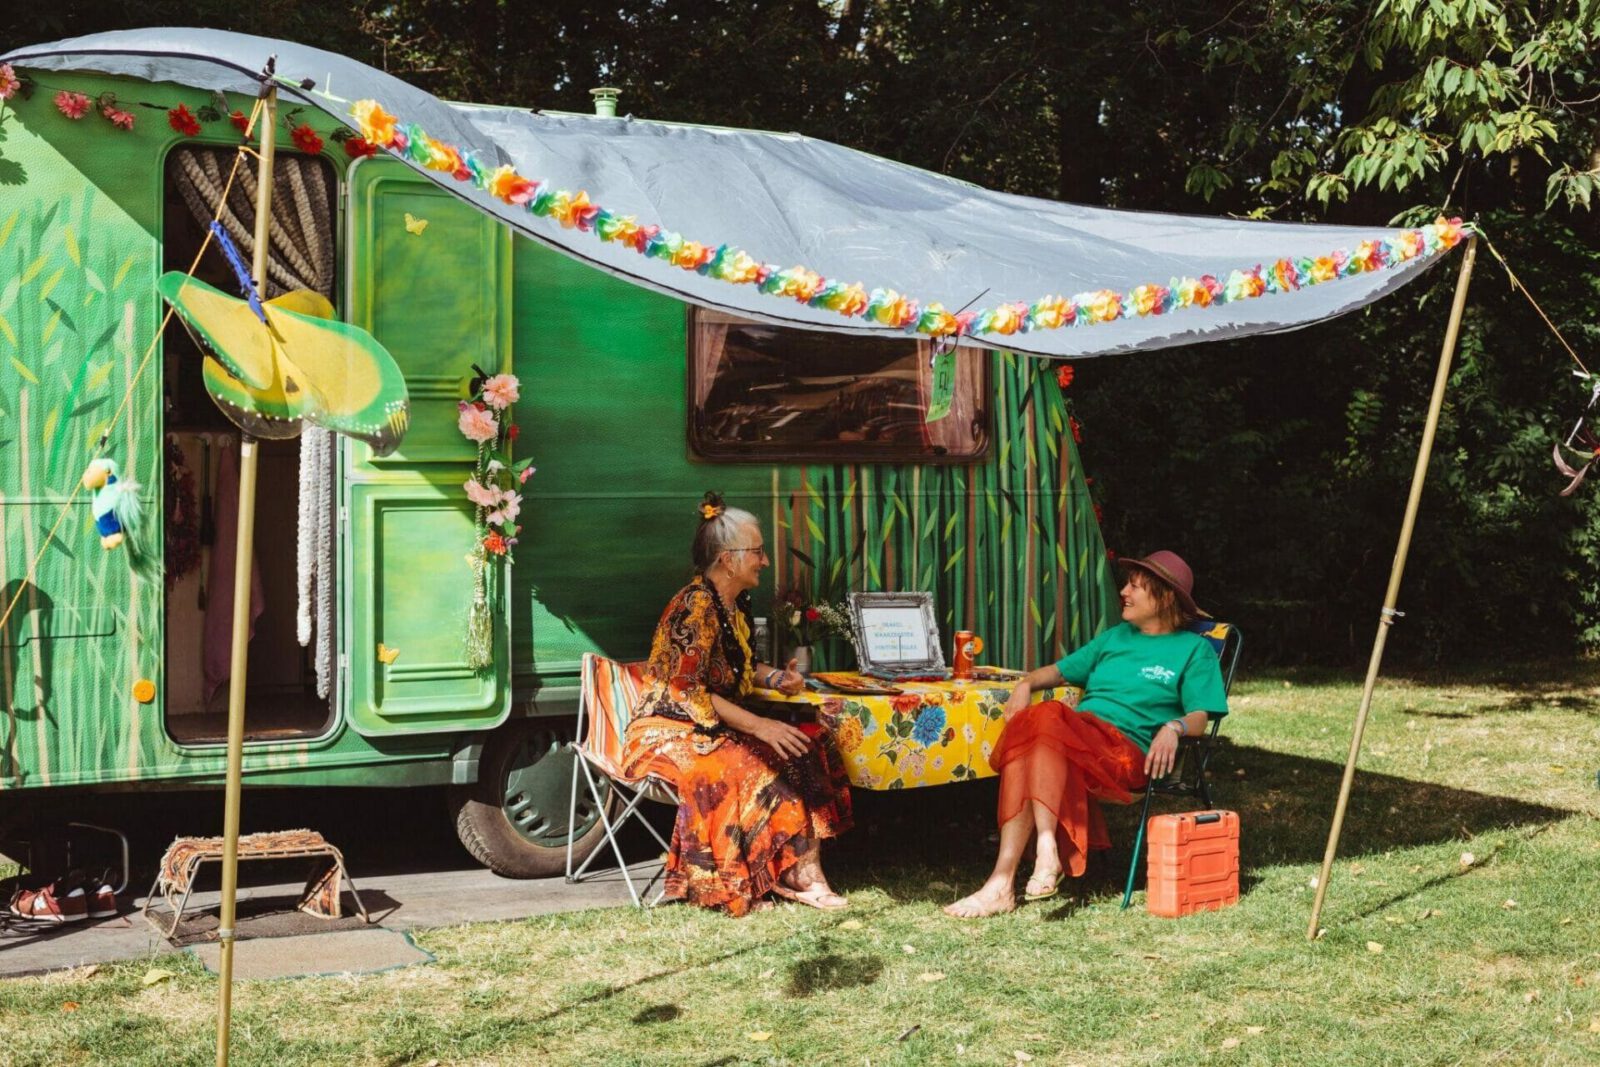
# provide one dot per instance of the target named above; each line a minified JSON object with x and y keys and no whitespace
{"x":632,"y":403}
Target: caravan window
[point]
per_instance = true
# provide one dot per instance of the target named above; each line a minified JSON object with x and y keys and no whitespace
{"x":763,"y":393}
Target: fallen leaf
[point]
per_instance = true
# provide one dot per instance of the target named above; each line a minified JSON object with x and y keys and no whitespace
{"x":1427,"y":913}
{"x":1394,"y":919}
{"x":1231,"y":1042}
{"x":961,"y":1050}
{"x":94,"y":969}
{"x":1374,"y":946}
{"x":1530,"y":996}
{"x":1321,"y":932}
{"x":1468,"y":859}
{"x":155,"y":975}
{"x":1509,"y":905}
{"x":1567,"y":921}
{"x":1358,"y":868}
{"x":908,"y":1031}
{"x":759,"y":1035}
{"x":909,"y":950}
{"x":931,"y":976}
{"x":1594,"y":1025}
{"x":850,"y":924}
{"x":1255,"y":1031}
{"x":1556,"y":768}
{"x":1313,"y":882}
{"x":1152,"y":955}
{"x":1022,"y":1057}
{"x":70,"y":1005}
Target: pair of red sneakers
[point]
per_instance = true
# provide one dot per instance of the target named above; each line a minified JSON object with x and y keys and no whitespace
{"x":66,"y":902}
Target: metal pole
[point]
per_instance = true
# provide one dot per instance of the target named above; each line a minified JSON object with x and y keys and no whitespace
{"x":240,"y":661}
{"x":1387,"y":616}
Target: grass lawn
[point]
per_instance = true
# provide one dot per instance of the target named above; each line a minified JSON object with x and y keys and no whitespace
{"x":1429,"y":957}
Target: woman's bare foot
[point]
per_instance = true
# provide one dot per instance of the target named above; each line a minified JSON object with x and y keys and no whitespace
{"x":812,"y":891}
{"x":989,"y":900}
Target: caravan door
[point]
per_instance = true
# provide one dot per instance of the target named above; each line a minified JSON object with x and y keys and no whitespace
{"x":431,"y":279}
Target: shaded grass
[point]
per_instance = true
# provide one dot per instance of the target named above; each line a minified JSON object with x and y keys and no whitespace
{"x":1427,"y":960}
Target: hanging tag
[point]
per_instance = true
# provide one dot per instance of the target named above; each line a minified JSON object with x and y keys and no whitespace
{"x":943,"y":364}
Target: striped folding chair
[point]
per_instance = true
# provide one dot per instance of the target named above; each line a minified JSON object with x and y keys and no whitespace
{"x":609,"y":691}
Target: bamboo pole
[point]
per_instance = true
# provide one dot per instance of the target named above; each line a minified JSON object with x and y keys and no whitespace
{"x":240,"y":658}
{"x":1387,"y":616}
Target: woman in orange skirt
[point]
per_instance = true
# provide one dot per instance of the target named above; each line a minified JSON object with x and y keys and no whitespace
{"x":1147,"y":682}
{"x":757,"y":796}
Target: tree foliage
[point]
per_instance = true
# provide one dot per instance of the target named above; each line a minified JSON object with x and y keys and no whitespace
{"x":1278,"y":465}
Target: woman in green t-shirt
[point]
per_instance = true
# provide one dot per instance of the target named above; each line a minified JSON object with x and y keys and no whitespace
{"x":1146,"y":683}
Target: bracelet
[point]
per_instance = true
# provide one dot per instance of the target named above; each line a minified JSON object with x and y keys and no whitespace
{"x":772,"y":672}
{"x":1183,"y":727}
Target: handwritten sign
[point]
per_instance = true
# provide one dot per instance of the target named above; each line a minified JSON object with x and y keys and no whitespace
{"x":895,"y":635}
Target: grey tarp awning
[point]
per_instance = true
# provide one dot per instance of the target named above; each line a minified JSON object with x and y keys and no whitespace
{"x":790,"y":200}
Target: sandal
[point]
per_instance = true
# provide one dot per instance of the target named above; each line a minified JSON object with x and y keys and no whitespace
{"x":1055,"y":887}
{"x":826,"y":900}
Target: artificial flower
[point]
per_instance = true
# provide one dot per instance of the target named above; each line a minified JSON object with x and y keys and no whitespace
{"x":1077,"y":429}
{"x":510,"y":507}
{"x":306,"y":139}
{"x":9,"y":82}
{"x":513,"y":432}
{"x":507,"y":185}
{"x":494,"y":543}
{"x":73,"y":105}
{"x":1064,"y":375}
{"x":477,"y":425}
{"x":123,"y":120}
{"x":182,"y":119}
{"x":377,"y":125}
{"x":484,"y":496}
{"x":527,"y":472}
{"x":501,"y":391}
{"x":359,"y":148}
{"x":240,"y":120}
{"x":710,"y":511}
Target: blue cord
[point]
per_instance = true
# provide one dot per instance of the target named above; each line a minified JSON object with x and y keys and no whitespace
{"x":246,"y":286}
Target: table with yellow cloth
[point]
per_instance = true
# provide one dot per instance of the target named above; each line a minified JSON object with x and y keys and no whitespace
{"x":929,"y":734}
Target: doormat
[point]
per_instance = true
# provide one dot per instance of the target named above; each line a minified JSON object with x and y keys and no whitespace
{"x":278,"y":919}
{"x":364,"y":951}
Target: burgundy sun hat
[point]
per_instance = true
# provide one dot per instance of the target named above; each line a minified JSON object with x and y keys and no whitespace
{"x":1171,"y":569}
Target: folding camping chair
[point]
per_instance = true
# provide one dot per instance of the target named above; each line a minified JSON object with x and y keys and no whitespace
{"x":1188,"y":775}
{"x":609,"y":692}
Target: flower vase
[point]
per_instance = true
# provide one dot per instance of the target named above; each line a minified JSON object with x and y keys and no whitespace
{"x":801,"y":654}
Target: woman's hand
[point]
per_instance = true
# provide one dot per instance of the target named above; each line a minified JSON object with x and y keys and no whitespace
{"x":1163,"y":753}
{"x":1021,"y":697}
{"x":791,"y":681}
{"x":786,"y":740}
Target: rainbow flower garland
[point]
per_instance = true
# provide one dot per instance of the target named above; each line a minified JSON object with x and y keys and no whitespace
{"x":573,"y":210}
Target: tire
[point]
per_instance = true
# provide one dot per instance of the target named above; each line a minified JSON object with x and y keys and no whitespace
{"x":513,"y":820}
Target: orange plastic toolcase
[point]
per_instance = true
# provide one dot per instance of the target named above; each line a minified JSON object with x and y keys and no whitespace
{"x":1194,"y":862}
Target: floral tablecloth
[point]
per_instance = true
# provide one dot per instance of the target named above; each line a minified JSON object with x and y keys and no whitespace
{"x":929,"y":734}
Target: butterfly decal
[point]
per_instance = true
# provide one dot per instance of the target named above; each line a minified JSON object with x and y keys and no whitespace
{"x":414,"y":225}
{"x":387,"y":655}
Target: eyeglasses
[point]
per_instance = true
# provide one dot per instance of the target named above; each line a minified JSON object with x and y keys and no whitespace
{"x":759,"y":548}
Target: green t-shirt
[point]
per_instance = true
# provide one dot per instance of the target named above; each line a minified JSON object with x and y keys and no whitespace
{"x":1137,"y":682}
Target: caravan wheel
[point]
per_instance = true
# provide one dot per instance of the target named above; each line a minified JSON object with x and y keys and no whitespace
{"x":514,"y":819}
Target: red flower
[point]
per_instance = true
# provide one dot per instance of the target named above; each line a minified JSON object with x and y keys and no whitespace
{"x":1077,"y":429}
{"x":495,"y":543}
{"x":359,"y":148}
{"x":241,"y":121}
{"x":1099,"y":516}
{"x":181,"y":119}
{"x":812,"y":615}
{"x":306,"y":139}
{"x":1064,"y":375}
{"x":1111,"y":554}
{"x":73,"y":105}
{"x":512,"y":432}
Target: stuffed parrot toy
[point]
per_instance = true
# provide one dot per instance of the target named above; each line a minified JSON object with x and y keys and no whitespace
{"x":115,"y":505}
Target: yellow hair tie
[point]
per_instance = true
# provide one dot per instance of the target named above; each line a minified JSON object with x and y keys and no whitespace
{"x":710,"y":511}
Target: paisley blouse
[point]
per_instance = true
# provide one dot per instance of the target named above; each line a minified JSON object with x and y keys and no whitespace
{"x":700,"y":648}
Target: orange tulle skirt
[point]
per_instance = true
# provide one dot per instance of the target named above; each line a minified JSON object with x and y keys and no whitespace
{"x":1067,"y":760}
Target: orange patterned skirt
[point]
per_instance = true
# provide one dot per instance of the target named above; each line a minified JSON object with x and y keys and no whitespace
{"x":1067,"y":760}
{"x":746,"y":814}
